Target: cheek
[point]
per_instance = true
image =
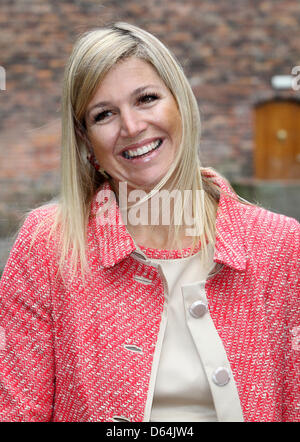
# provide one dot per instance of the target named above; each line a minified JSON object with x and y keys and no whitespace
{"x":102,"y":141}
{"x":174,"y":123}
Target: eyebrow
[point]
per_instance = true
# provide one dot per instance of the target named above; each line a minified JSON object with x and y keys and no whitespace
{"x":135,"y":92}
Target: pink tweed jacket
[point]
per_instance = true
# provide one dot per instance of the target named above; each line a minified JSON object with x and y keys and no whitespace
{"x":62,"y":354}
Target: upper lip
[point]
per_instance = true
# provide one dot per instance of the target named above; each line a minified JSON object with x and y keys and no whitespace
{"x":141,"y":144}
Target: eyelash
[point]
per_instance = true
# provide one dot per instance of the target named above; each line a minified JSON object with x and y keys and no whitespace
{"x":142,"y":99}
{"x":153,"y":96}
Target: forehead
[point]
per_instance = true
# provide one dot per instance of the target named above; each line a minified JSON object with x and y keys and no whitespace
{"x":132,"y":65}
{"x":128,"y":74}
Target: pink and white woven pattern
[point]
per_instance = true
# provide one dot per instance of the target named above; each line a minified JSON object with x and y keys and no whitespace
{"x":64,"y":357}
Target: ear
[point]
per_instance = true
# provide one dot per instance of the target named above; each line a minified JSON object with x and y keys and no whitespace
{"x":80,"y":130}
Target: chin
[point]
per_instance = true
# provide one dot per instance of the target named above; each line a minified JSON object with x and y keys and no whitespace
{"x":149,"y":184}
{"x":141,"y":182}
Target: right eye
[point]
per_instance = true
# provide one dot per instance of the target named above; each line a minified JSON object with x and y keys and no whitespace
{"x":102,"y":116}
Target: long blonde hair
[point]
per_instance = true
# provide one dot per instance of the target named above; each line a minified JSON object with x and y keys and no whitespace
{"x":93,"y":55}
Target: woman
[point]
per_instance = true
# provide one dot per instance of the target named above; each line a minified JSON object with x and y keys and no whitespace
{"x":108,"y":313}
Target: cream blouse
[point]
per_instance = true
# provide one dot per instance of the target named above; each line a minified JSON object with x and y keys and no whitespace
{"x":190,"y":366}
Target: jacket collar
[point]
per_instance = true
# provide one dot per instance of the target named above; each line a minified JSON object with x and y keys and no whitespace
{"x":115,"y":242}
{"x":230,"y":229}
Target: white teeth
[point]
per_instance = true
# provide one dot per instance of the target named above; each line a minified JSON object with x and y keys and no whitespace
{"x":142,"y":150}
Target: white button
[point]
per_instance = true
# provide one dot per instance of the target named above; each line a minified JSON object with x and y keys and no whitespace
{"x":198,"y":309}
{"x":221,"y":376}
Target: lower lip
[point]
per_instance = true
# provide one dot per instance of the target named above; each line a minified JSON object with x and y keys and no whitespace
{"x":149,"y":156}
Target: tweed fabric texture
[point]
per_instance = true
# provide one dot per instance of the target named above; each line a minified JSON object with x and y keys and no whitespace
{"x":63,"y":354}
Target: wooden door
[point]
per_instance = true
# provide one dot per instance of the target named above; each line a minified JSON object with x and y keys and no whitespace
{"x":277,"y":137}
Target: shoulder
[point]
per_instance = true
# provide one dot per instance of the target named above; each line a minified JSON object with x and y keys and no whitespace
{"x":36,"y":226}
{"x":254,"y":219}
{"x":44,"y":213}
{"x":32,"y":261}
{"x":250,"y":218}
{"x":271,"y":240}
{"x":274,"y":225}
{"x":265,"y":234}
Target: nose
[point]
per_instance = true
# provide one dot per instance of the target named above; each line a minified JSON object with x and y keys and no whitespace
{"x":132,"y":123}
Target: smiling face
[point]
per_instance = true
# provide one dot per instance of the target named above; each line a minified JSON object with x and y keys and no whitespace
{"x":134,"y":124}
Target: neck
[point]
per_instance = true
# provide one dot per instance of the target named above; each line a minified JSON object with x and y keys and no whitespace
{"x":158,"y":237}
{"x":151,"y":222}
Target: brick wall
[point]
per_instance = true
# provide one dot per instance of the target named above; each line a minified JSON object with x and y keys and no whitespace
{"x":229,"y":50}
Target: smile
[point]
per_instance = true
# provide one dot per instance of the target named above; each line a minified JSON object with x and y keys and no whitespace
{"x":142,"y":151}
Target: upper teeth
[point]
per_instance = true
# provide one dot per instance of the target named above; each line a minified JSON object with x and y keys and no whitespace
{"x":142,"y":150}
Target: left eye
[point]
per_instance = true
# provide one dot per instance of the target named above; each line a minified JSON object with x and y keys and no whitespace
{"x":148,"y":98}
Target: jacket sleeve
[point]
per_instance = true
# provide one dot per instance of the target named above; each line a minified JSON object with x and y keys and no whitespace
{"x":291,"y":308}
{"x":26,"y":341}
